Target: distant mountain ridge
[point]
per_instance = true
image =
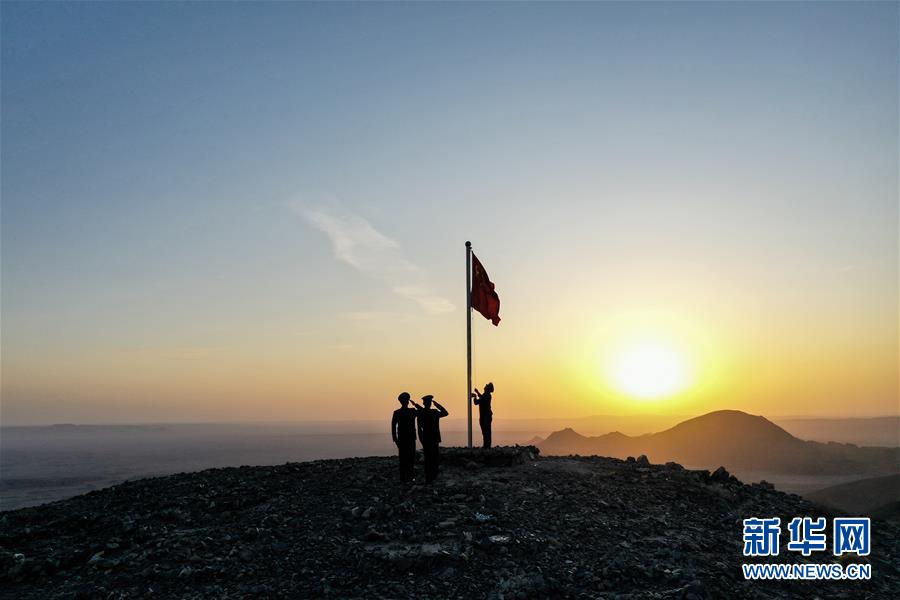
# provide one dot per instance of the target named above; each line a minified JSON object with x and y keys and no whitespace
{"x":736,"y":440}
{"x":862,"y":431}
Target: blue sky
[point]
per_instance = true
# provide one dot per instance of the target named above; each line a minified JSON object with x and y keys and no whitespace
{"x":178,"y":179}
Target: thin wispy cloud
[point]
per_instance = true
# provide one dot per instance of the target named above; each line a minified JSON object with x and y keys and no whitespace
{"x":429,"y":302}
{"x":381,"y":321}
{"x":357,"y":243}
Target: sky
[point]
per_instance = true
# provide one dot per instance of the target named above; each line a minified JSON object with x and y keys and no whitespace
{"x":246,"y":211}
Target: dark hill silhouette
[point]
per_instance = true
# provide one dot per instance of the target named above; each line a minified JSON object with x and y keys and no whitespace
{"x":861,"y":497}
{"x":736,"y":440}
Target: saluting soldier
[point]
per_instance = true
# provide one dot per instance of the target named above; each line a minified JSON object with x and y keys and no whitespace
{"x":429,"y":423}
{"x":403,"y":431}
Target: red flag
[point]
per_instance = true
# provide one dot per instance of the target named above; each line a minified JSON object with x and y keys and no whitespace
{"x":484,"y":299}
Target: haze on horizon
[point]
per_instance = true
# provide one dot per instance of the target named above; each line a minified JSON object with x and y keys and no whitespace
{"x":245,"y":212}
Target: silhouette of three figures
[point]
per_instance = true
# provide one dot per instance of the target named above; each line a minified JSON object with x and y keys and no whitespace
{"x":424,"y":422}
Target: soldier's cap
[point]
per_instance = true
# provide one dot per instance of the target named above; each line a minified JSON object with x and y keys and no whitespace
{"x":403,"y":396}
{"x":428,"y":397}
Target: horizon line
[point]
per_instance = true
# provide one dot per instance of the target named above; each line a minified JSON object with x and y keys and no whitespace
{"x":347,"y":421}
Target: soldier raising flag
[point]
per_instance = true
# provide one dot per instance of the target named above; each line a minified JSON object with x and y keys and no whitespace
{"x":481,"y":296}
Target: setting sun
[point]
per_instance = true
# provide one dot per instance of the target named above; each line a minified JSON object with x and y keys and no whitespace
{"x":648,"y":369}
{"x":649,"y":355}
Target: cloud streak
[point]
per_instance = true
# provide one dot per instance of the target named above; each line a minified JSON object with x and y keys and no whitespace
{"x":357,"y":243}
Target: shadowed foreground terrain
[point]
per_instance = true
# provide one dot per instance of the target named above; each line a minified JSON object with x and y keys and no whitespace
{"x":498,"y":524}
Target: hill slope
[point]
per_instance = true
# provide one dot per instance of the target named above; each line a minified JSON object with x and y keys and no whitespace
{"x":860,"y":497}
{"x":736,"y":440}
{"x":555,"y":527}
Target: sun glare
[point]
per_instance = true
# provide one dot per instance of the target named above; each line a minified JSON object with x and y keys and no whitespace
{"x":648,"y":370}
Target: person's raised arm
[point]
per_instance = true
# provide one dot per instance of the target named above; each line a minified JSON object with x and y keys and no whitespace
{"x":442,"y":411}
{"x":476,"y":397}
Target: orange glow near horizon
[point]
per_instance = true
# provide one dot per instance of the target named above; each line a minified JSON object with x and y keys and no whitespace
{"x":596,"y":360}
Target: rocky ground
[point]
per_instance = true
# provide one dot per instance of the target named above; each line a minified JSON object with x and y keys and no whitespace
{"x":504,"y":524}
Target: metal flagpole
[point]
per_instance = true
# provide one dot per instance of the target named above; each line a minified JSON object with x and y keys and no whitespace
{"x":469,"y":336}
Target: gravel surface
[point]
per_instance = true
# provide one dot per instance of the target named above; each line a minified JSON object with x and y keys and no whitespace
{"x":499,"y":524}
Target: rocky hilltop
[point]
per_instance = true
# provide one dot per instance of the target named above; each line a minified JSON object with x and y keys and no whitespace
{"x":499,"y":524}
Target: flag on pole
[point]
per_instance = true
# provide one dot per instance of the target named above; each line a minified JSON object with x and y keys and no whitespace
{"x":484,"y":299}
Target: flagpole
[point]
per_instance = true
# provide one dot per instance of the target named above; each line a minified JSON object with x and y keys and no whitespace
{"x":469,"y":336}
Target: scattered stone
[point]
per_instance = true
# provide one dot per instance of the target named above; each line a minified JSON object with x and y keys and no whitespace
{"x":557,"y":527}
{"x":375,"y":536}
{"x":720,"y":475}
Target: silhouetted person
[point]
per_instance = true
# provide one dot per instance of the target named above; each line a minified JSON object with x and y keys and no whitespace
{"x":485,"y":414}
{"x":403,"y":431}
{"x":429,"y":422}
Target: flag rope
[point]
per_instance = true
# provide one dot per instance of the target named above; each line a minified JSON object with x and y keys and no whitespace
{"x":474,"y":366}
